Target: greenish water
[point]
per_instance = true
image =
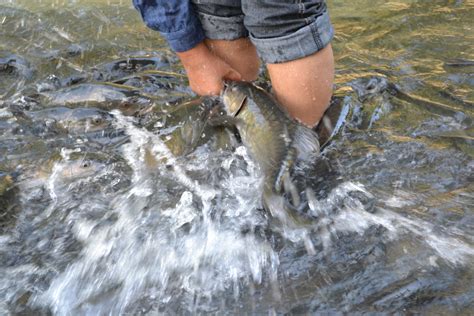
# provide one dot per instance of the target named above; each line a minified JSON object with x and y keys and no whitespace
{"x":99,"y":216}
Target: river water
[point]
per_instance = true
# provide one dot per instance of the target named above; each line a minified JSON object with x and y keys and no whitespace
{"x":104,"y":210}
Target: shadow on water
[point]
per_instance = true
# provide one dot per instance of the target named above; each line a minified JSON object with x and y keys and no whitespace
{"x":117,"y":198}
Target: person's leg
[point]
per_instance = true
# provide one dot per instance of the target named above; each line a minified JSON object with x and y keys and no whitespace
{"x":240,"y":54}
{"x":226,"y":36}
{"x":304,"y":86}
{"x":293,"y":39}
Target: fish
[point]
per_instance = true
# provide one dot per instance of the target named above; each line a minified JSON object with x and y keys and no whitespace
{"x":274,"y":140}
{"x":73,"y":121}
{"x":92,"y":94}
{"x":8,"y":193}
{"x":123,"y":67}
{"x":81,"y":168}
{"x":15,"y":64}
{"x":459,"y":62}
{"x":78,"y":166}
{"x":164,"y":86}
{"x":6,"y":182}
{"x":185,"y":126}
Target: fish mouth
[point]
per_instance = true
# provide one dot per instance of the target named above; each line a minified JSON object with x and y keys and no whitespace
{"x":227,"y":85}
{"x":233,"y":99}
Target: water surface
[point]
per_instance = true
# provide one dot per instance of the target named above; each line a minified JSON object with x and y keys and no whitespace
{"x":99,"y":215}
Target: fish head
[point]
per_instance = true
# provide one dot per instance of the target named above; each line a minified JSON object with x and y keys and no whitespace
{"x":98,"y":122}
{"x":129,"y":108}
{"x":85,"y":120}
{"x":234,"y":97}
{"x":80,"y":168}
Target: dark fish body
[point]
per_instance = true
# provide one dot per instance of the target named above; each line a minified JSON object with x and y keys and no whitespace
{"x":273,"y":139}
{"x":17,"y":65}
{"x":161,"y":86}
{"x":185,"y":126}
{"x":90,"y":93}
{"x":123,"y":67}
{"x":6,"y":182}
{"x":8,"y":192}
{"x":264,"y":127}
{"x":459,"y":62}
{"x":74,"y":121}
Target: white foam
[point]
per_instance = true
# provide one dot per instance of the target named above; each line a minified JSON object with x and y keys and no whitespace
{"x":189,"y":241}
{"x":355,"y":218}
{"x":145,"y":249}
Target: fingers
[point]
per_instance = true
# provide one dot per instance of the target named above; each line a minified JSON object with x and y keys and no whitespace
{"x":210,"y":80}
{"x":217,"y":86}
{"x":206,"y":71}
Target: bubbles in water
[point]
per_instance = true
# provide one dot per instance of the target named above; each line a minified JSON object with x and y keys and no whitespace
{"x":163,"y":245}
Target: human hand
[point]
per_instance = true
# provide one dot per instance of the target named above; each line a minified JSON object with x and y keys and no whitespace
{"x":206,"y":71}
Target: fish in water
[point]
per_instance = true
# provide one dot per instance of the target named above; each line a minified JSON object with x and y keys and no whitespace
{"x":16,"y":65}
{"x":105,"y":96}
{"x":78,"y":166}
{"x":71,"y":170}
{"x":123,"y":67}
{"x":185,"y":126}
{"x":6,"y":183}
{"x":8,"y":207}
{"x":164,"y":86}
{"x":274,"y":140}
{"x":73,"y":121}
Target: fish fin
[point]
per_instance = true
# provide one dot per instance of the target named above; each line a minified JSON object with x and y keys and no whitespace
{"x":275,"y":205}
{"x":290,"y":188}
{"x":306,"y":143}
{"x":284,"y":170}
{"x":223,"y":120}
{"x":285,"y":213}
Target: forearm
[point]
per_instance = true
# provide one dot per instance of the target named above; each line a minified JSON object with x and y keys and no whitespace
{"x":194,"y":57}
{"x":178,"y":23}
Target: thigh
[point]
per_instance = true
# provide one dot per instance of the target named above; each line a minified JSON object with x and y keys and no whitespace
{"x":221,"y":19}
{"x":287,"y":30}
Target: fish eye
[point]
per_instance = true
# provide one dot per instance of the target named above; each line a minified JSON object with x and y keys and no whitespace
{"x":86,"y":164}
{"x":97,"y":120}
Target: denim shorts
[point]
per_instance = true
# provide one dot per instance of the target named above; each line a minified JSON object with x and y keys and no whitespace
{"x":281,"y":30}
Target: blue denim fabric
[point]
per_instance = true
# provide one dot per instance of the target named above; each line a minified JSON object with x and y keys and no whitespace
{"x":281,"y":30}
{"x":176,"y":20}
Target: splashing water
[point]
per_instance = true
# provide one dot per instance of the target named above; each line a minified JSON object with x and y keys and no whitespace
{"x":157,"y":249}
{"x":188,"y":246}
{"x":139,"y":231}
{"x":353,"y":217}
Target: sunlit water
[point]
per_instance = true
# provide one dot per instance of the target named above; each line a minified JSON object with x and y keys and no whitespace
{"x":99,"y":216}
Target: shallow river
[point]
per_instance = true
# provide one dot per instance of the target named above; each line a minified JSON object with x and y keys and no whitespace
{"x":105,"y":210}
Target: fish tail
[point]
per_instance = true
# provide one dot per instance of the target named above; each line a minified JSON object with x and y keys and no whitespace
{"x":288,"y":215}
{"x":275,"y":205}
{"x":306,"y":144}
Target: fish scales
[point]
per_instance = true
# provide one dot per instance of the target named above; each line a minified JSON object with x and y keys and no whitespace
{"x":274,"y":140}
{"x":267,"y":132}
